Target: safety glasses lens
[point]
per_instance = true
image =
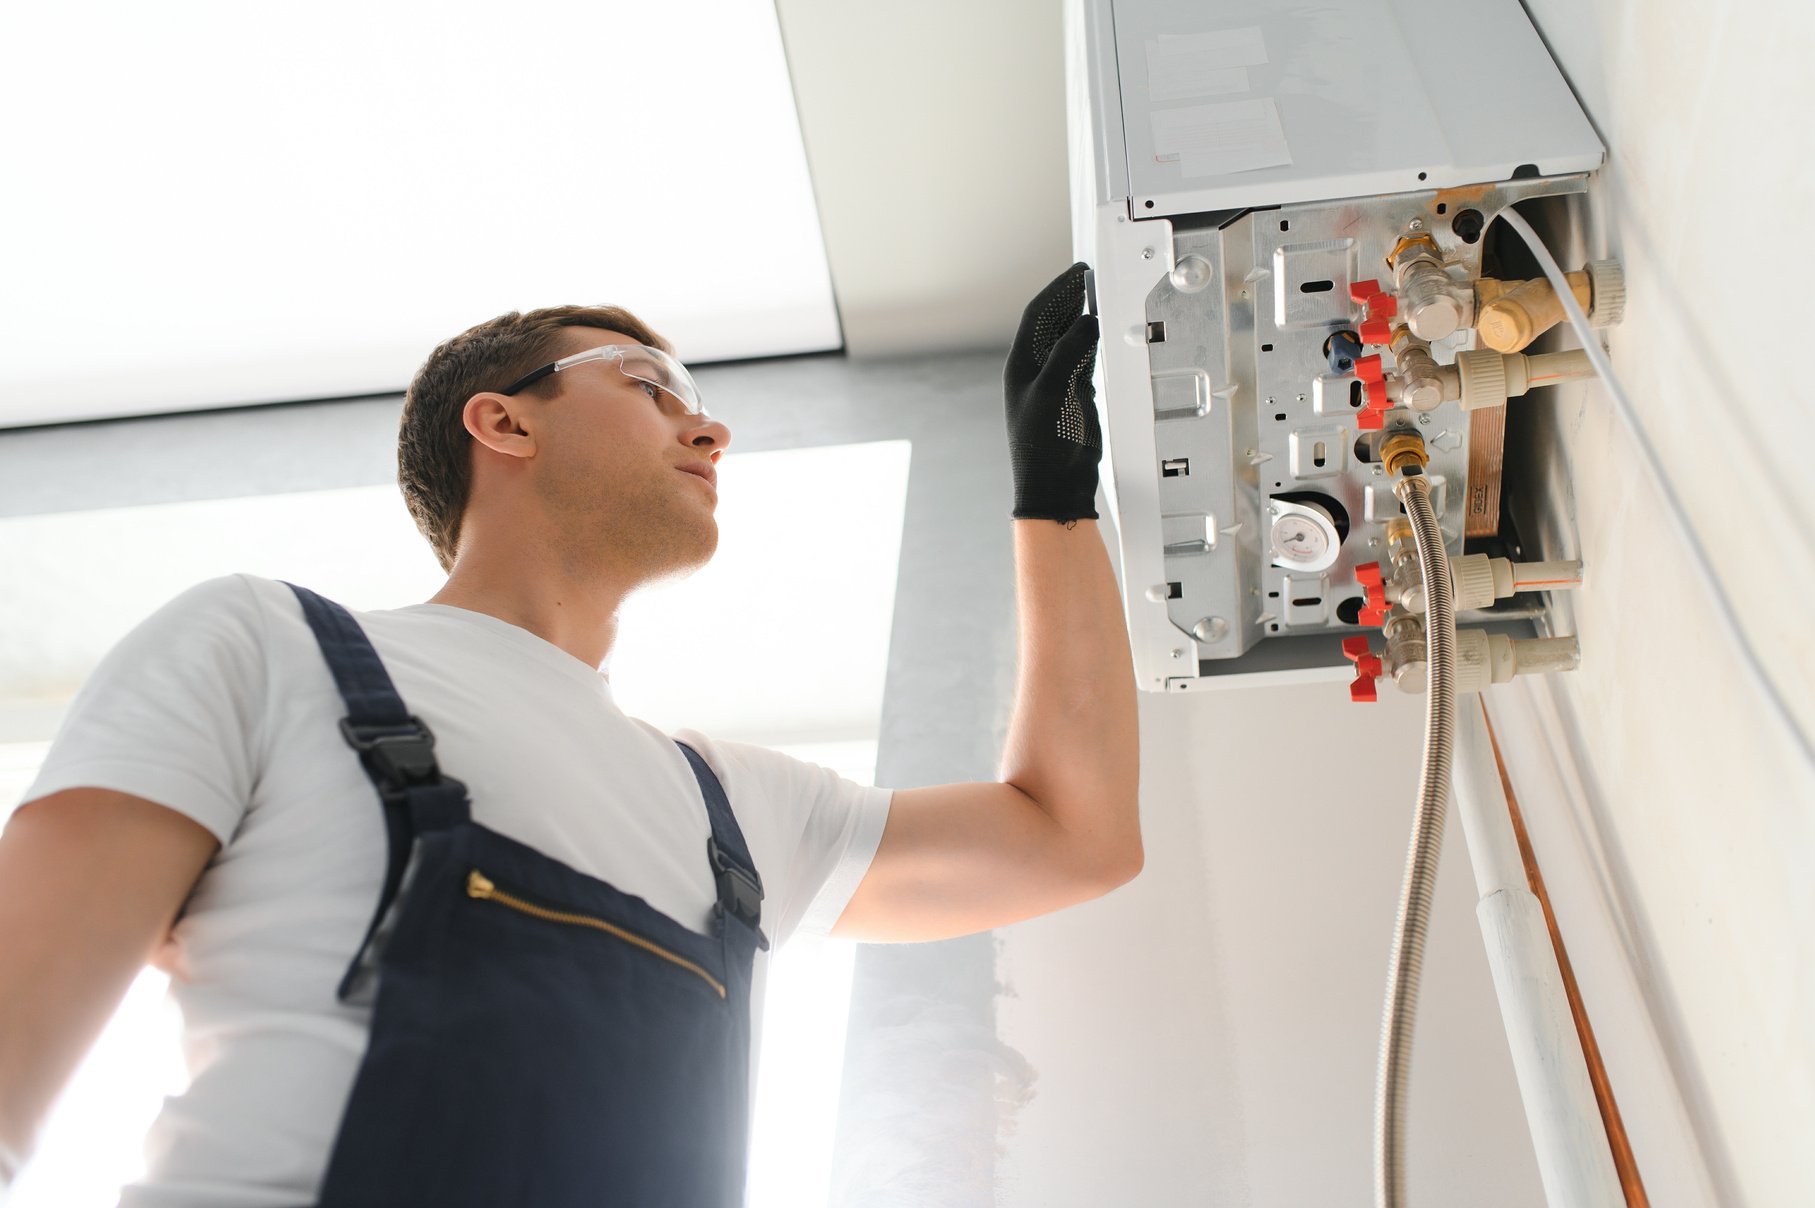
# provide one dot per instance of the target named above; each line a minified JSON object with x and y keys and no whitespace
{"x":656,"y":367}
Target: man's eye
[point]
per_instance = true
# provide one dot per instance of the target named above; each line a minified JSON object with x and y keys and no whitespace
{"x":652,"y":390}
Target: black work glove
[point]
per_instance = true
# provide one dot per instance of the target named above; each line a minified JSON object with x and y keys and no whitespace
{"x":1054,"y":440}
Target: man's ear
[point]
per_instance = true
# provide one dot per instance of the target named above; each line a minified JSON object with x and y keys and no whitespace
{"x":496,"y":422}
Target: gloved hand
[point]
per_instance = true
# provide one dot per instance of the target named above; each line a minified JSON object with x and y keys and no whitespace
{"x":1054,"y":440}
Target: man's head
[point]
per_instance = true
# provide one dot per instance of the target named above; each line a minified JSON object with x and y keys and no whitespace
{"x":590,"y":460}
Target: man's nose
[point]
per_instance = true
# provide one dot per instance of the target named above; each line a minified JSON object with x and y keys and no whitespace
{"x":707,"y":433}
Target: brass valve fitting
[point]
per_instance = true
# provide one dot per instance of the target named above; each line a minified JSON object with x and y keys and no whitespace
{"x":1418,"y":243}
{"x":1399,"y":538}
{"x":1403,"y":449}
{"x":1421,"y":381}
{"x":1511,"y":314}
{"x":1406,"y":586}
{"x":1431,"y":303}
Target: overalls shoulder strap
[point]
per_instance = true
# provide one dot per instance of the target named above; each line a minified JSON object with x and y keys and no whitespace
{"x":395,"y":747}
{"x":740,"y":889}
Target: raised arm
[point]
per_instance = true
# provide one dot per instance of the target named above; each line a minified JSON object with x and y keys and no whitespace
{"x":1062,"y":825}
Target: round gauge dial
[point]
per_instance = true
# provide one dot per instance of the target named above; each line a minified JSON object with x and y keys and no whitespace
{"x":1300,"y":539}
{"x":1304,"y":536}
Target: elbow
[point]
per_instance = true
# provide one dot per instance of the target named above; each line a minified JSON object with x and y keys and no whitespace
{"x":1115,"y":867}
{"x":1128,"y":867}
{"x":1131,"y":855}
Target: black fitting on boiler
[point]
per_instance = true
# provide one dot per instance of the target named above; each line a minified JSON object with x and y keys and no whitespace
{"x":1342,"y":350}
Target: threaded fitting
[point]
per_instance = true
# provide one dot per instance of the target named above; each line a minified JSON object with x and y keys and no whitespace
{"x":1474,"y":577}
{"x":1606,"y":293}
{"x":1483,"y":373}
{"x":1420,"y":244}
{"x":1403,"y":449}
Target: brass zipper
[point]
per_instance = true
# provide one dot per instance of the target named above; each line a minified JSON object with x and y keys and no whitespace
{"x":480,"y":886}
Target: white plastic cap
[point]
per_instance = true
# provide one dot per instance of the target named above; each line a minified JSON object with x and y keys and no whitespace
{"x":1606,"y":293}
{"x":1483,"y":374}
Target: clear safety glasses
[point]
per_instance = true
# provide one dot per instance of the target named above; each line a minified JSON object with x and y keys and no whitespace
{"x":638,"y":362}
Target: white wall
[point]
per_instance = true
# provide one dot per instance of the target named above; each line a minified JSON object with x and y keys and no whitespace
{"x":1693,"y":817}
{"x":1207,"y":1034}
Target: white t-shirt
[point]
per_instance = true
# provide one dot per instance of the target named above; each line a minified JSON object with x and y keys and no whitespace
{"x":221,"y":706}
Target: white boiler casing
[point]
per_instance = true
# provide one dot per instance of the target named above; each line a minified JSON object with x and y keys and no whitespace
{"x":1236,"y":168}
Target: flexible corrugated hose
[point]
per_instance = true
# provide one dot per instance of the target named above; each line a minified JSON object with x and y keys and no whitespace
{"x":1427,"y":840}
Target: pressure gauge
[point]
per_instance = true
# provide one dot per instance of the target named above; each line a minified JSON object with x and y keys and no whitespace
{"x":1304,"y":536}
{"x":1299,"y":540}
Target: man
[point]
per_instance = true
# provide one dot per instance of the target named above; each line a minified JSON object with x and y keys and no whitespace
{"x":445,"y":925}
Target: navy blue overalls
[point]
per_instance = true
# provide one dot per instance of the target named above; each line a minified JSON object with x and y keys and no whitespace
{"x":539,"y":1038}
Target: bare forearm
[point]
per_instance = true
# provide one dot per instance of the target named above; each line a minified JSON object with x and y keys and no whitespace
{"x":1073,"y":741}
{"x":93,"y":879}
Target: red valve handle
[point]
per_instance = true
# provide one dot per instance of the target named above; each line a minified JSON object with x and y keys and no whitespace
{"x":1367,"y":668}
{"x":1380,"y":305}
{"x":1355,"y":649}
{"x":1374,"y":613}
{"x":1373,"y":380}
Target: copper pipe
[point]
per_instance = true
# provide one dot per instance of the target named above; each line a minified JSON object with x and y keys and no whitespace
{"x":1623,"y":1161}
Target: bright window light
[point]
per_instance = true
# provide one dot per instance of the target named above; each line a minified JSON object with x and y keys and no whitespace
{"x":781,"y":640}
{"x":800,"y":1069}
{"x":214,"y":203}
{"x":797,"y":598}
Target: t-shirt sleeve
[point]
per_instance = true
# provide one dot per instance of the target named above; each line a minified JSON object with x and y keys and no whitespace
{"x":821,"y":831}
{"x":173,"y":712}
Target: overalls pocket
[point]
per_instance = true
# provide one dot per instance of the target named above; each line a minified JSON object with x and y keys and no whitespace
{"x":482,"y":888}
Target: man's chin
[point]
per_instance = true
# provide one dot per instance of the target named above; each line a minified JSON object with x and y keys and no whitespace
{"x":686,"y":553}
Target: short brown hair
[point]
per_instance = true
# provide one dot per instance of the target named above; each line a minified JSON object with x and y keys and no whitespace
{"x":434,"y":449}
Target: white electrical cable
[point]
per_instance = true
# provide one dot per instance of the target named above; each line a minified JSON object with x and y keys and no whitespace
{"x":1678,"y":513}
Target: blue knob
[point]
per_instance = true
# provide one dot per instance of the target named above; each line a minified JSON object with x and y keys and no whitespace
{"x":1342,"y":350}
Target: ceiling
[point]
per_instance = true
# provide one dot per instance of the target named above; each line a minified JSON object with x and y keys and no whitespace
{"x":935,"y":134}
{"x":221,"y":216}
{"x":218,"y":204}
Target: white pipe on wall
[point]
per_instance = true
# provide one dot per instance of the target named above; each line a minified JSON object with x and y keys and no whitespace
{"x":1575,"y":1161}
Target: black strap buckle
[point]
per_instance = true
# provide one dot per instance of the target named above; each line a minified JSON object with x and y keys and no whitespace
{"x":398,"y":759}
{"x":739,"y":892}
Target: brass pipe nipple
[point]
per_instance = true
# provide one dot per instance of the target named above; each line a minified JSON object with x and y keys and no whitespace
{"x":1403,"y":449}
{"x":1420,"y":243}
